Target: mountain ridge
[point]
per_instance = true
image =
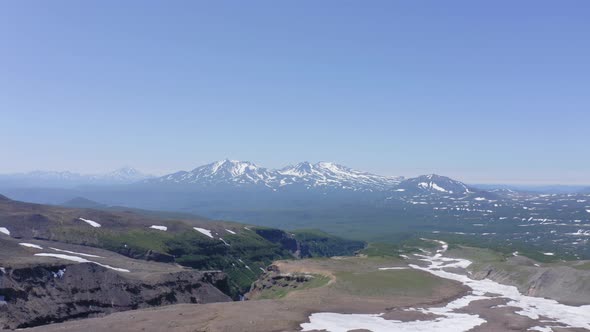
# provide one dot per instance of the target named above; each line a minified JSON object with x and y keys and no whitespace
{"x":321,"y":175}
{"x":123,"y":175}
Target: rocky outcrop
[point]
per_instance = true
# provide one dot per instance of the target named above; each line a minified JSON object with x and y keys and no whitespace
{"x":274,"y":281}
{"x":38,"y":295}
{"x":559,"y":282}
{"x":155,"y":256}
{"x":285,"y":240}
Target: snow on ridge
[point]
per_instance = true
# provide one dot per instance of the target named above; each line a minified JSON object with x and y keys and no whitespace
{"x":30,"y":245}
{"x":4,"y":230}
{"x":160,"y":228}
{"x":321,"y":174}
{"x":90,"y":222}
{"x":80,"y":260}
{"x":203,"y":231}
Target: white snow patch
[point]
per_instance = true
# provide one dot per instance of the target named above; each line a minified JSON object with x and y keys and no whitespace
{"x":4,"y":230}
{"x":160,"y":228}
{"x":393,"y":268}
{"x":548,"y":254}
{"x":552,"y":311}
{"x":230,"y":231}
{"x":75,"y":253}
{"x":90,"y":222}
{"x":222,"y":240}
{"x":30,"y":245}
{"x":80,"y":260}
{"x":541,"y":329}
{"x":479,"y":199}
{"x":203,"y":231}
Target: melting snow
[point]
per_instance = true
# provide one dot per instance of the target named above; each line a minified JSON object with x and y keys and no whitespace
{"x":4,"y":230}
{"x":75,"y":253}
{"x":222,"y":240}
{"x":552,"y":311}
{"x":30,"y":245}
{"x":548,"y":254}
{"x":479,"y":199}
{"x":160,"y":228}
{"x":203,"y":231}
{"x":90,"y":222}
{"x":393,"y":268}
{"x":80,"y":260}
{"x":230,"y":231}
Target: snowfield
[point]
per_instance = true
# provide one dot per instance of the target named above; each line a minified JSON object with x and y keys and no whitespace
{"x":30,"y":245}
{"x":203,"y":231}
{"x":160,"y":228}
{"x":547,"y":312}
{"x":90,"y":222}
{"x":230,"y":231}
{"x":80,"y":260}
{"x":4,"y":230}
{"x":74,"y":253}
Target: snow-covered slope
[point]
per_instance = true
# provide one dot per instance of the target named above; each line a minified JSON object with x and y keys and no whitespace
{"x":322,"y":175}
{"x":433,"y":183}
{"x":224,"y":172}
{"x":331,"y":175}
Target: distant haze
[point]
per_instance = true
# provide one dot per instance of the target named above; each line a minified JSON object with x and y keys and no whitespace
{"x":492,"y":92}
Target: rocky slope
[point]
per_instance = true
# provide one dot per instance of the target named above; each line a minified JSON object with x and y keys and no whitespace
{"x":45,"y":282}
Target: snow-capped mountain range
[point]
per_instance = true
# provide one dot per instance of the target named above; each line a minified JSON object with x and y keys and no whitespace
{"x":125,"y":175}
{"x":233,"y":174}
{"x":322,"y":175}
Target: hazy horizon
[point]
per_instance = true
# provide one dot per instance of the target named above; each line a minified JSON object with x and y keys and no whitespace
{"x":388,"y":88}
{"x":460,"y":177}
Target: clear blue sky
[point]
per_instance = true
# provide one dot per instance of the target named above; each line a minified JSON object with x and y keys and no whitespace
{"x":485,"y":92}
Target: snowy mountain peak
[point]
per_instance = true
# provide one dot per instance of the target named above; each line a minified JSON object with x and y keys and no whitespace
{"x":233,"y":167}
{"x":322,"y":175}
{"x":301,"y":169}
{"x":122,"y":175}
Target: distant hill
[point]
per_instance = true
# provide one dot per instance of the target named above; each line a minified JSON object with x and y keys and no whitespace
{"x":81,"y":202}
{"x":67,"y":179}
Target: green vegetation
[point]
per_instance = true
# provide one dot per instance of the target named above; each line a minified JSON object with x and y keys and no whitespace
{"x":405,"y":246}
{"x":315,"y":243}
{"x":506,"y":249}
{"x":135,"y":241}
{"x":244,"y":259}
{"x":281,"y":289}
{"x":386,"y":283}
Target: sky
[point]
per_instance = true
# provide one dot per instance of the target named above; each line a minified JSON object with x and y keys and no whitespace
{"x":486,"y":92}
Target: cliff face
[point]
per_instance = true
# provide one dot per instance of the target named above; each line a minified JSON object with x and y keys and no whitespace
{"x":41,"y":295}
{"x":562,"y":283}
